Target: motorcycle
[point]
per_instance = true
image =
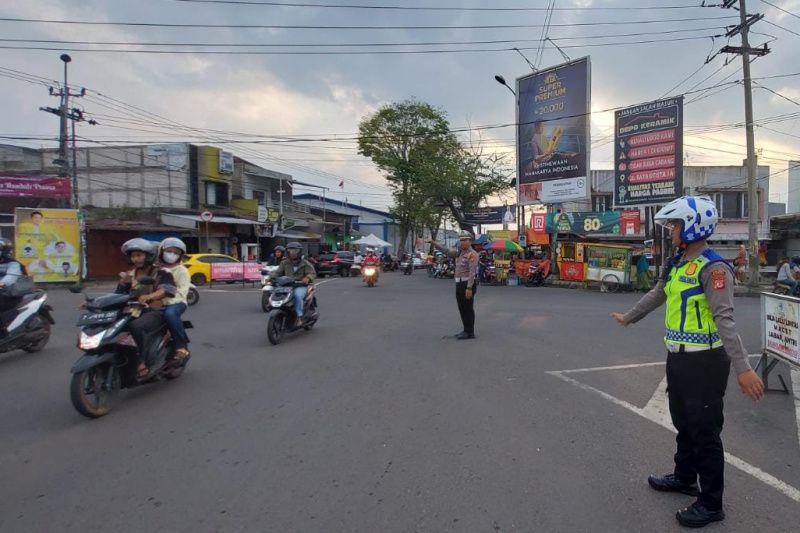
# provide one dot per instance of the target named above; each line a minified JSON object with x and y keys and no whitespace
{"x":782,"y":288}
{"x":29,"y":322}
{"x":538,"y":271}
{"x":369,"y":274}
{"x":193,"y":296}
{"x":109,"y":358}
{"x":266,"y":286}
{"x":282,"y":318}
{"x":390,"y":264}
{"x":408,"y":267}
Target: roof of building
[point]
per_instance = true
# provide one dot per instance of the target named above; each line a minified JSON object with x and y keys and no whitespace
{"x":328,"y":201}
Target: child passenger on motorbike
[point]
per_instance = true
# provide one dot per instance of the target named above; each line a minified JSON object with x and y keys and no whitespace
{"x":141,"y":254}
{"x":171,"y":253}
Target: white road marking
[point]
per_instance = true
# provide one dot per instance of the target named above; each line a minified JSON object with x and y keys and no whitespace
{"x":657,"y":411}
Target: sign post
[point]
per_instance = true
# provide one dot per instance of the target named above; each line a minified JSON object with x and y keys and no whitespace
{"x":207,"y":216}
{"x":780,"y":334}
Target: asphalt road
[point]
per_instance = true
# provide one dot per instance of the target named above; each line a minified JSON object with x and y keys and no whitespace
{"x":374,"y":421}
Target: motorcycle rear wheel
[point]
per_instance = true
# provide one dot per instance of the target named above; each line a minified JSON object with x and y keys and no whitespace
{"x":92,"y":383}
{"x":275,"y":328}
{"x":192,"y":297}
{"x":39,"y":323}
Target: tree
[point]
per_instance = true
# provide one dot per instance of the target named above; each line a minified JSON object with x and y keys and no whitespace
{"x":397,"y":138}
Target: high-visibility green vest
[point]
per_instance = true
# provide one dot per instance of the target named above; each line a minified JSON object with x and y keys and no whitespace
{"x":689,"y":320}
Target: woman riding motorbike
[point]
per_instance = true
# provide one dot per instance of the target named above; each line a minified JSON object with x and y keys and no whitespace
{"x":171,"y":252}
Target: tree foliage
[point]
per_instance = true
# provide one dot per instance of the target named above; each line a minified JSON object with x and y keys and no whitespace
{"x":431,"y":174}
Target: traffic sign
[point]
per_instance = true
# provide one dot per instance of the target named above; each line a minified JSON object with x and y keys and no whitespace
{"x":206,"y":216}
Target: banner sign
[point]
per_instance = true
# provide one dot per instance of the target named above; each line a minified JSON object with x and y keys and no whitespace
{"x":780,"y":317}
{"x":648,"y":141}
{"x":499,"y":234}
{"x":48,"y":243}
{"x":630,"y":222}
{"x":583,"y":223}
{"x":235,"y":271}
{"x":553,"y":133}
{"x":35,"y":187}
{"x":539,"y":222}
{"x":503,"y":214}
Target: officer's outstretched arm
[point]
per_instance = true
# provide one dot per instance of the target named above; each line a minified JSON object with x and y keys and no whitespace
{"x":648,"y":303}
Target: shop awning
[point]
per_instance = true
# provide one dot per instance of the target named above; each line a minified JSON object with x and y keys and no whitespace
{"x":298,"y":235}
{"x":190,"y":221}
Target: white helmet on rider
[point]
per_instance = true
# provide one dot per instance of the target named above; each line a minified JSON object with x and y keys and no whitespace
{"x":171,"y":257}
{"x":140,"y":245}
{"x":697,"y":215}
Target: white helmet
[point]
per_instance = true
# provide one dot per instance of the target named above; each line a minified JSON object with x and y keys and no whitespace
{"x":172,"y":242}
{"x":140,"y":245}
{"x":697,"y":214}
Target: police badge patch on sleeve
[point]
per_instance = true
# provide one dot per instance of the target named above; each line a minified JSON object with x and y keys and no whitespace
{"x":718,"y":279}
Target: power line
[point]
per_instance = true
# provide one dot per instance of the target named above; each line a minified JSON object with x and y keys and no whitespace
{"x":338,"y":52}
{"x":781,"y":27}
{"x":349,"y":27}
{"x":427,"y":8}
{"x":795,"y":15}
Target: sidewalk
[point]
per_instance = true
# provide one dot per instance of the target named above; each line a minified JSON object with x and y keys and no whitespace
{"x":738,"y":290}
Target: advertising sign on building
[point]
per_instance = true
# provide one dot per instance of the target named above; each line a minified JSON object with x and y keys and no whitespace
{"x":48,"y":243}
{"x":553,"y":134}
{"x":630,"y":222}
{"x":539,"y":222}
{"x":503,"y":214}
{"x":581,"y":223}
{"x":35,"y":187}
{"x":648,"y":153}
{"x":225,"y":162}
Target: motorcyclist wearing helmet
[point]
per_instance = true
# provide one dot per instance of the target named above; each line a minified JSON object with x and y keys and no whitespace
{"x":278,"y":255}
{"x":701,"y":341}
{"x":142,"y":254}
{"x":171,"y":253}
{"x":11,"y":271}
{"x":371,"y":258}
{"x":297,"y":267}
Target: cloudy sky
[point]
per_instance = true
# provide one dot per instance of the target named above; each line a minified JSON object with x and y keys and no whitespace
{"x":227,"y":97}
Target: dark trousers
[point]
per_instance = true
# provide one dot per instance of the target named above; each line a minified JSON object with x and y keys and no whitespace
{"x":696,"y":383}
{"x":466,"y":307}
{"x":143,"y":329}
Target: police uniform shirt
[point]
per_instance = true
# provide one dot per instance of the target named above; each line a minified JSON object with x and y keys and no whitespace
{"x":717,"y":282}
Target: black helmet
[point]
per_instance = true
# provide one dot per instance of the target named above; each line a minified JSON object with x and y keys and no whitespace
{"x":280,"y":249}
{"x":294,"y":250}
{"x":6,"y":250}
{"x":141,"y":245}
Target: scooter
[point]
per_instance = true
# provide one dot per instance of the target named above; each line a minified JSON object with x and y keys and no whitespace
{"x":369,"y":274}
{"x":28,"y":323}
{"x":408,"y":267}
{"x":266,"y":286}
{"x":282,"y":318}
{"x":782,"y":288}
{"x":109,"y":361}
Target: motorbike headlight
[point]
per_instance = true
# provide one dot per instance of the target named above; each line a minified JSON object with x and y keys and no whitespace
{"x":279,"y":299}
{"x":369,"y":271}
{"x":90,"y":342}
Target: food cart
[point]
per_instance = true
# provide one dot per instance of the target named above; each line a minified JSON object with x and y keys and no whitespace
{"x":608,"y":264}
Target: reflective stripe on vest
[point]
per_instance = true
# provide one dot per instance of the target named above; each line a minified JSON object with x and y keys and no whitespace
{"x":689,"y":320}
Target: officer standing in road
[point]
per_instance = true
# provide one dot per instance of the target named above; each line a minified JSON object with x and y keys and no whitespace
{"x":466,"y":281}
{"x":701,"y":341}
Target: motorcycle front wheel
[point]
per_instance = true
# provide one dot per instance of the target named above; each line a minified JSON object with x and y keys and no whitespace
{"x":276,"y":327}
{"x":94,"y":391}
{"x":265,"y":302}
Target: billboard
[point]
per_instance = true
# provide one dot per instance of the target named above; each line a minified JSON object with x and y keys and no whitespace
{"x":503,"y":214}
{"x":48,"y":243}
{"x":553,"y":134}
{"x":648,"y":153}
{"x":35,"y":187}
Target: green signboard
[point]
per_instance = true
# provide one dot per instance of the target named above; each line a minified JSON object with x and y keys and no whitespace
{"x":582,"y":223}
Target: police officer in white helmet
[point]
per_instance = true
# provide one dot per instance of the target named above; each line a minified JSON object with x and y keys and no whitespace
{"x":702,"y":342}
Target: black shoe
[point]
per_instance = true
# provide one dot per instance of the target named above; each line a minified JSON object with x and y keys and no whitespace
{"x":697,"y":515}
{"x":464,"y":335}
{"x":670,"y":483}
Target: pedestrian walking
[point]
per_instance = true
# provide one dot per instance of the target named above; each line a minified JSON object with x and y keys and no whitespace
{"x":466,"y":270}
{"x":702,"y":342}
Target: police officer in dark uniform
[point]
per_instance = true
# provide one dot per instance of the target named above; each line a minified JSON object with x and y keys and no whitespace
{"x":702,"y":343}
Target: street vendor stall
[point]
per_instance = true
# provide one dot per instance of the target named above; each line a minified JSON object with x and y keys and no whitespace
{"x":608,"y":264}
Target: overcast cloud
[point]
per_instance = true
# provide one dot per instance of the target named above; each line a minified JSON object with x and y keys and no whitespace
{"x":313,"y":94}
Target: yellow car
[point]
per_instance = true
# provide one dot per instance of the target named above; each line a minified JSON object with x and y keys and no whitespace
{"x":199,"y":266}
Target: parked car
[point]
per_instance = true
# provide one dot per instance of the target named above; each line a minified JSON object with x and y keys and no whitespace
{"x":199,"y":266}
{"x":334,"y":264}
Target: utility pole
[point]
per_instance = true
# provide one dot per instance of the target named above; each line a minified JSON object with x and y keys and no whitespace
{"x":64,"y":115}
{"x":752,"y":186}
